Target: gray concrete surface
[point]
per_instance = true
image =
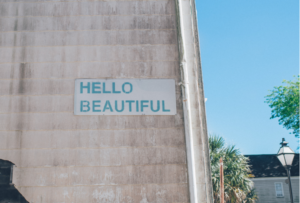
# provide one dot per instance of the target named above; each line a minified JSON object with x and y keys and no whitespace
{"x":44,"y":46}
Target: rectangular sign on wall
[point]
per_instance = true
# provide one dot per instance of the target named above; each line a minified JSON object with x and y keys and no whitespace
{"x":125,"y":97}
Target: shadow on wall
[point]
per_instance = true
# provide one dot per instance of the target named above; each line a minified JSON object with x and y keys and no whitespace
{"x":8,"y":192}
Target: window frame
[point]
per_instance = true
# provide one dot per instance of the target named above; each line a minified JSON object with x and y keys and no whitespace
{"x":281,"y":190}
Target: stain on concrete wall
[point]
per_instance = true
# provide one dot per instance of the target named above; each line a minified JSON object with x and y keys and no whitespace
{"x":44,"y":46}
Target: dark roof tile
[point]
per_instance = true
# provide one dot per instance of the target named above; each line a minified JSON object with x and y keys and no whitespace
{"x":267,"y":165}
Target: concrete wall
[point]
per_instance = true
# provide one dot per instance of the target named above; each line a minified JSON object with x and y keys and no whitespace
{"x":59,"y":157}
{"x":265,"y":190}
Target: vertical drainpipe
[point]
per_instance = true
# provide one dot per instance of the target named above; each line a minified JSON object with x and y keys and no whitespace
{"x":198,"y":163}
{"x":186,"y":104}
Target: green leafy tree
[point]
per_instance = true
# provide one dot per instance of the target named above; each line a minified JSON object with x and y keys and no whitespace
{"x":238,"y":187}
{"x":284,"y":101}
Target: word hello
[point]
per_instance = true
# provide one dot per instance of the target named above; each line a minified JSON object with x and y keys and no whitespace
{"x":96,"y":88}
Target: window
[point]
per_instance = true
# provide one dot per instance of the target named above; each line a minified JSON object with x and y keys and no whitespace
{"x":279,"y":190}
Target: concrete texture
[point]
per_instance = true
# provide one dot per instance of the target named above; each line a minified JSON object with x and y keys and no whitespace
{"x":44,"y":46}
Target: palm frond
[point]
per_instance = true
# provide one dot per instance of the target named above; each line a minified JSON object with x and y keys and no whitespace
{"x":237,"y":185}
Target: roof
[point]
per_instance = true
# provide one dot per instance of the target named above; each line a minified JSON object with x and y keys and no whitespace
{"x":267,"y":165}
{"x":8,"y":192}
{"x":5,"y":163}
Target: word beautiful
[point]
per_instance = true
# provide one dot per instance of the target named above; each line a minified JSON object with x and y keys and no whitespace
{"x":116,"y":105}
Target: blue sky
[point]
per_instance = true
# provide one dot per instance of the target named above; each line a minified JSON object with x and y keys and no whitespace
{"x":247,"y":48}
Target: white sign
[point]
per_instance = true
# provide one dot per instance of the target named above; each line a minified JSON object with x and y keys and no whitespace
{"x":125,"y":97}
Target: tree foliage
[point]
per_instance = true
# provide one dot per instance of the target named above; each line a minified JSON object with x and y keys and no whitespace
{"x":237,"y":185}
{"x":284,"y":101}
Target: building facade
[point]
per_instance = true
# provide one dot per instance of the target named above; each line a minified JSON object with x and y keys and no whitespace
{"x":270,"y":179}
{"x":45,"y":45}
{"x":276,"y":189}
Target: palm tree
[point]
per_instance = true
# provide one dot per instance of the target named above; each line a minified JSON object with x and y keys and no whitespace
{"x":237,"y":185}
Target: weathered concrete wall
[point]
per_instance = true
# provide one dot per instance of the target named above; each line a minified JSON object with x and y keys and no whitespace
{"x":59,"y":157}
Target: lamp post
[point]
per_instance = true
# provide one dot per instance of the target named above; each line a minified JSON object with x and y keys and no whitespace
{"x":286,"y":156}
{"x":221,"y":181}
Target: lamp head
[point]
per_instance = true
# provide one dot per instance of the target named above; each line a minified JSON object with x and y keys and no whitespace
{"x":285,"y":154}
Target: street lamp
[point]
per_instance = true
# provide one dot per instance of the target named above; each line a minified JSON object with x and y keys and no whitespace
{"x":286,"y":156}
